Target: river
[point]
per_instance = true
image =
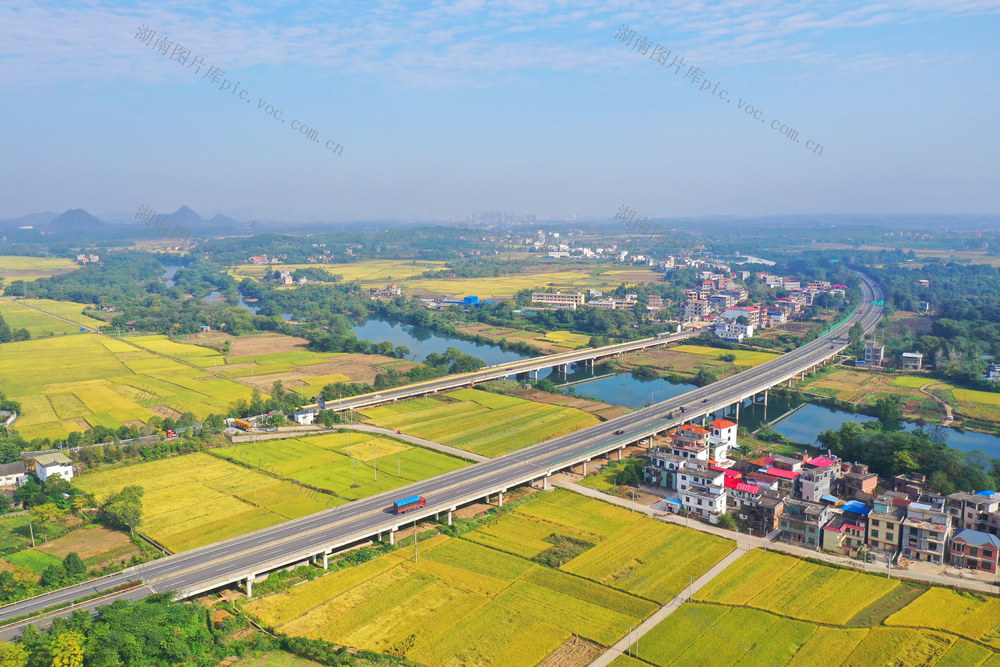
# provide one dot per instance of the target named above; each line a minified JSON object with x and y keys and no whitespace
{"x":423,"y":341}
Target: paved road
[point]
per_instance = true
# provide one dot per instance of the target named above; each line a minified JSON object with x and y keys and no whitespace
{"x":631,"y":643}
{"x":234,"y":559}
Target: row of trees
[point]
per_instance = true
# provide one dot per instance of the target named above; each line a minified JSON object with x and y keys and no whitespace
{"x":7,"y":336}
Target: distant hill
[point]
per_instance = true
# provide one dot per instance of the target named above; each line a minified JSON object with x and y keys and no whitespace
{"x":76,"y":220}
{"x":185,"y":217}
{"x":33,"y":219}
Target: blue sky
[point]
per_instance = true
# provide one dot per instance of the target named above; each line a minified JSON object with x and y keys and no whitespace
{"x":446,"y":108}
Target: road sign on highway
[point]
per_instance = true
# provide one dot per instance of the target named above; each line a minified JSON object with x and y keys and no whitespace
{"x":879,"y":303}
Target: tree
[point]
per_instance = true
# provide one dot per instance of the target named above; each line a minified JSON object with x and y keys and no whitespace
{"x":889,"y":412}
{"x":125,"y":507}
{"x":74,"y":565}
{"x":67,"y":650}
{"x":276,"y":420}
{"x":12,"y":655}
{"x":856,"y":340}
{"x":704,"y":377}
{"x":45,"y":515}
{"x":727,"y":521}
{"x":53,"y":576}
{"x":903,"y":462}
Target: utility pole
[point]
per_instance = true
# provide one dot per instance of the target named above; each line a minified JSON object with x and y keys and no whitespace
{"x":32,"y":535}
{"x":355,"y":472}
{"x":375,"y":460}
{"x":399,"y":465}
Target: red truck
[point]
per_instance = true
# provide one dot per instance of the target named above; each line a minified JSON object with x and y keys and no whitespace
{"x":407,"y":504}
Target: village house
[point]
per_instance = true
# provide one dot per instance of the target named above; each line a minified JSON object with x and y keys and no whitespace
{"x":885,"y":522}
{"x":12,"y":475}
{"x":925,"y":533}
{"x":801,"y":521}
{"x":974,"y":550}
{"x":46,"y":465}
{"x":707,"y":502}
{"x":975,"y":511}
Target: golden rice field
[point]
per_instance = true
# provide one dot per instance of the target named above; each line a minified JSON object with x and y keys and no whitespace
{"x":786,"y":585}
{"x":39,"y":324}
{"x":198,"y":499}
{"x":743,"y":357}
{"x":479,"y":599}
{"x":504,"y":287}
{"x":765,"y":607}
{"x":720,"y":635}
{"x":480,"y":422}
{"x":567,"y":339}
{"x":370,"y":273}
{"x":964,"y":613}
{"x":976,"y":396}
{"x":75,"y":382}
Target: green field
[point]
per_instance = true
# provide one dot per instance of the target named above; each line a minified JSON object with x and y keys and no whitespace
{"x":911,"y":381}
{"x":769,"y":608}
{"x":76,"y":382}
{"x":479,"y":421}
{"x":323,"y":462}
{"x":20,"y":267}
{"x":743,"y":357}
{"x":482,"y":599}
{"x":40,"y":325}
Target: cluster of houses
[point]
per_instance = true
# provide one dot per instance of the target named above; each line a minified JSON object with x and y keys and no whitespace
{"x":574,"y":299}
{"x":714,"y":302}
{"x":42,"y":466}
{"x":84,"y":258}
{"x":388,"y":291}
{"x":802,"y":496}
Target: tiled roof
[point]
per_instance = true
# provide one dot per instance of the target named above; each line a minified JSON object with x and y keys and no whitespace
{"x":721,"y":423}
{"x":977,"y":537}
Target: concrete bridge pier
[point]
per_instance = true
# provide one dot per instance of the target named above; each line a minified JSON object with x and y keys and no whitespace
{"x":500,"y":499}
{"x":392,"y":536}
{"x":449,"y":515}
{"x":545,"y":483}
{"x":326,"y":560}
{"x":249,"y":585}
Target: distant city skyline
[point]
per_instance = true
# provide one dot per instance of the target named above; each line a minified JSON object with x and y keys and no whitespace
{"x":439,"y":111}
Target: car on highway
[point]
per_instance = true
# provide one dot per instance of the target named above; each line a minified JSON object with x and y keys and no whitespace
{"x":619,"y":431}
{"x":705,"y":401}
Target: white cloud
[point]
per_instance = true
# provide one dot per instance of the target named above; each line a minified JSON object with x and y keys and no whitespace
{"x":441,"y":43}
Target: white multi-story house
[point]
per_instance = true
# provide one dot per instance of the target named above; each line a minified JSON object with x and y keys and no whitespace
{"x":57,"y":463}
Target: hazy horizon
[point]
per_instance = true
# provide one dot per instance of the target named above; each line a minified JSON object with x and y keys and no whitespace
{"x":445,"y":109}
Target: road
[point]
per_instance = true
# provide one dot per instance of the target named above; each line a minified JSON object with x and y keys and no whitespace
{"x":237,"y":558}
{"x":495,"y":372}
